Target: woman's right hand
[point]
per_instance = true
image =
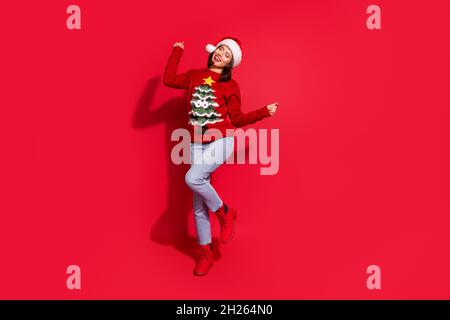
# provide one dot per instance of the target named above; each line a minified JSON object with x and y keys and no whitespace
{"x":272,"y":108}
{"x":179,"y":44}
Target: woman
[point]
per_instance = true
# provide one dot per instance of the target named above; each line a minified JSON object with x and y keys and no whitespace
{"x":213,"y":102}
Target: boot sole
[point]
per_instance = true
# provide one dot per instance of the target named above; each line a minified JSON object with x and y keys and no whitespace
{"x":204,"y":273}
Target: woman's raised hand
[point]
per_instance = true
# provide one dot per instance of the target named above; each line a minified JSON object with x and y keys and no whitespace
{"x":272,"y":108}
{"x":179,"y":44}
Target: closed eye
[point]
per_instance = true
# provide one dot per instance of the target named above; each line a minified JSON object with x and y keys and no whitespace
{"x":226,"y":54}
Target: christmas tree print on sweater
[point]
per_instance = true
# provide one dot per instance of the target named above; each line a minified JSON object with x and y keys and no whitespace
{"x":203,"y":105}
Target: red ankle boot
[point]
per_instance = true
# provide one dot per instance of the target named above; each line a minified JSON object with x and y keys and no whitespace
{"x":204,"y":260}
{"x":227,"y":219}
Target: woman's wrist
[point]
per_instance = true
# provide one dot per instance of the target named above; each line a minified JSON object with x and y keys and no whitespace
{"x":267,"y":111}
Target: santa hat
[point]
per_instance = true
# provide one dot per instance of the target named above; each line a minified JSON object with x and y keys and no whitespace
{"x":234,"y":45}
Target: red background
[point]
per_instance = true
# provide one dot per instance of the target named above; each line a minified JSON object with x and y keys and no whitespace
{"x":86,"y":177}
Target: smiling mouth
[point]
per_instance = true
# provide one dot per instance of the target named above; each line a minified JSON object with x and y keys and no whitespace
{"x":216,"y":58}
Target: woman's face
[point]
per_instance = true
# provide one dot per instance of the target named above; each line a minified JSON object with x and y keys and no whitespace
{"x":222,"y":57}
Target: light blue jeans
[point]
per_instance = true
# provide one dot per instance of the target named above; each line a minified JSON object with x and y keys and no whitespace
{"x":205,"y":159}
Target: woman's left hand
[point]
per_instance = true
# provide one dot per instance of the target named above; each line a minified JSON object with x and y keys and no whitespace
{"x":272,"y":108}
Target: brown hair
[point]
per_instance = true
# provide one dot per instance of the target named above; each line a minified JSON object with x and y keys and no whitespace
{"x":225,"y":76}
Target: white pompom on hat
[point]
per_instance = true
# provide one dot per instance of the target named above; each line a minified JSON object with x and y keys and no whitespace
{"x":234,"y":45}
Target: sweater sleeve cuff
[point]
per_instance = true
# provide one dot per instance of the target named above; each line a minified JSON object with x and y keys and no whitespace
{"x":264,"y":112}
{"x":177,"y":51}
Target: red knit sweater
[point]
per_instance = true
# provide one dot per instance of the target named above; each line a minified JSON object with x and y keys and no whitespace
{"x":209,"y":103}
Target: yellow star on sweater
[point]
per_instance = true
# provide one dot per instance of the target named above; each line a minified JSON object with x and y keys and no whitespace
{"x":209,"y":81}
